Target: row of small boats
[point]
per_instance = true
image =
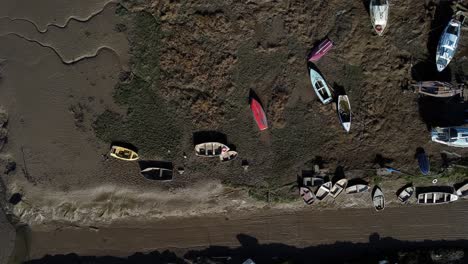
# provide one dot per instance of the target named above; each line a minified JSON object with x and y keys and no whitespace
{"x":378,"y":198}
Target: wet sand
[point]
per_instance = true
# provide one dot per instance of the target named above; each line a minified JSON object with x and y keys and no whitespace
{"x":300,"y":228}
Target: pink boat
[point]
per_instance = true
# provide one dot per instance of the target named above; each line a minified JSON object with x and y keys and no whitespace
{"x":320,"y":50}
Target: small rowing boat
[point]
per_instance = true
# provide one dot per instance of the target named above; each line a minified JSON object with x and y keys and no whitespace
{"x":320,"y":87}
{"x":259,"y":114}
{"x":436,"y":198}
{"x":344,"y":112}
{"x":323,"y":191}
{"x":338,"y":187}
{"x":210,"y":149}
{"x":378,"y":199}
{"x":405,"y":194}
{"x":462,"y":191}
{"x":320,"y":50}
{"x":448,"y":43}
{"x":123,"y":153}
{"x":438,"y":89}
{"x":307,"y":195}
{"x":357,"y":188}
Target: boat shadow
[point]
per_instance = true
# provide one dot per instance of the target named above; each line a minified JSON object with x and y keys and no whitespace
{"x":125,"y":145}
{"x":253,"y":95}
{"x":460,"y":184}
{"x":155,"y":164}
{"x":366,"y":6}
{"x":208,"y":136}
{"x":442,"y":111}
{"x":374,"y":250}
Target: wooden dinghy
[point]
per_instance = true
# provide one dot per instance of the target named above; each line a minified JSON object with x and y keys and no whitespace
{"x":323,"y":191}
{"x":378,"y":199}
{"x":320,"y":87}
{"x":307,"y":195}
{"x":438,"y":89}
{"x":357,"y":188}
{"x":405,"y":194}
{"x":338,"y":187}
{"x":123,"y":153}
{"x":344,"y":112}
{"x":436,"y":198}
{"x":378,"y":10}
{"x":210,"y":149}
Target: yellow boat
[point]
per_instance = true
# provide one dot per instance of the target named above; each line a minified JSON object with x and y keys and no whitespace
{"x":123,"y":153}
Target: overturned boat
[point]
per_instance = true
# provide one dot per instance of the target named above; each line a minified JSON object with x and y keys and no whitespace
{"x":344,"y":112}
{"x":320,"y":50}
{"x":307,"y":195}
{"x":338,"y":187}
{"x":448,"y":43}
{"x":320,"y":87}
{"x":405,"y":194}
{"x":438,"y":89}
{"x":157,"y":174}
{"x":323,"y":191}
{"x":210,"y":149}
{"x":123,"y":153}
{"x":378,"y":199}
{"x":462,"y":191}
{"x":259,"y":114}
{"x":436,"y":198}
{"x":451,"y":136}
{"x":357,"y":188}
{"x":378,"y":10}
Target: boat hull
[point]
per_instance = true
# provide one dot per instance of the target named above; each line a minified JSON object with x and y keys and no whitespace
{"x":378,"y":10}
{"x":319,"y":51}
{"x":259,"y":114}
{"x":451,"y":136}
{"x":436,"y":198}
{"x":320,"y":87}
{"x":448,"y":44}
{"x":344,"y":112}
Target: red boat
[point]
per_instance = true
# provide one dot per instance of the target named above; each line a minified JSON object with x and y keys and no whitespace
{"x":320,"y":50}
{"x":259,"y":114}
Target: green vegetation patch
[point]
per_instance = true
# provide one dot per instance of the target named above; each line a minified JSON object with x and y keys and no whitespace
{"x":150,"y":123}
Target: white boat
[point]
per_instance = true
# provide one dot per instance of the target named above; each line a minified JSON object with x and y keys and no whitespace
{"x":378,"y":199}
{"x":448,"y":43}
{"x":405,"y":194}
{"x":320,"y":87}
{"x":436,"y":198}
{"x":462,"y":191}
{"x":307,"y":195}
{"x":344,"y":112}
{"x":338,"y":187}
{"x":378,"y":10}
{"x":451,"y":136}
{"x":323,"y":191}
{"x":210,"y":149}
{"x":357,"y":188}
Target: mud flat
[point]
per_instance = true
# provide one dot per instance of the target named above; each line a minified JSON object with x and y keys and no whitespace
{"x":295,"y":228}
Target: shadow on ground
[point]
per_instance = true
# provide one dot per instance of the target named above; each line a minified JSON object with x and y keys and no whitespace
{"x":377,"y":249}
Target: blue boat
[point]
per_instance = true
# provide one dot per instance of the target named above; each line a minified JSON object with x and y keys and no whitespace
{"x":451,"y":136}
{"x":423,"y":161}
{"x":448,"y":43}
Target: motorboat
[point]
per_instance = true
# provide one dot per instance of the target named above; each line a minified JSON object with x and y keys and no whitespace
{"x":451,"y":136}
{"x":320,"y":87}
{"x":378,"y":10}
{"x":448,"y":43}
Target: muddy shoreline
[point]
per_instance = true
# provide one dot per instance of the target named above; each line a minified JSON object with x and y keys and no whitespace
{"x":295,"y":228}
